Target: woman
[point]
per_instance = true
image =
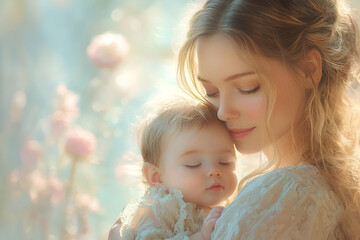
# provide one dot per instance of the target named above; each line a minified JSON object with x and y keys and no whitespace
{"x":279,"y":72}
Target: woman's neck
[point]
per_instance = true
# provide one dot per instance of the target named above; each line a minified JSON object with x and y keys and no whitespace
{"x":285,"y":151}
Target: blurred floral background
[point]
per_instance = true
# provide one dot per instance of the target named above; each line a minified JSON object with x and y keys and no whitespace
{"x":74,"y":78}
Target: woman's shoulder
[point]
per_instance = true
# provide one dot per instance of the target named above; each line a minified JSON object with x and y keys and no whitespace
{"x":293,"y":184}
{"x":295,"y":198}
{"x":297,"y":172}
{"x":299,"y":176}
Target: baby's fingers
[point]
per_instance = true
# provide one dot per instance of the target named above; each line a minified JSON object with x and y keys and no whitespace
{"x":215,"y":212}
{"x":114,"y":233}
{"x":211,"y":223}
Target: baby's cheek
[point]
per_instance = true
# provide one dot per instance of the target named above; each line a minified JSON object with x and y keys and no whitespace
{"x":171,"y":177}
{"x":182,"y":180}
{"x":233,"y":180}
{"x":191,"y":188}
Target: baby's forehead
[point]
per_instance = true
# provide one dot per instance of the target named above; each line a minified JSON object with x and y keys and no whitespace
{"x":201,"y":138}
{"x":174,"y":131}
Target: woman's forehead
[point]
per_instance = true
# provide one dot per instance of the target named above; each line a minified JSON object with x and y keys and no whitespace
{"x":216,"y":54}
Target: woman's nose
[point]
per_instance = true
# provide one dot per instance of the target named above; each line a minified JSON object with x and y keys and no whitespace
{"x":227,"y":110}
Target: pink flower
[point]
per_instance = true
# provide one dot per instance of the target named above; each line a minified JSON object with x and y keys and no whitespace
{"x":30,"y":155}
{"x":14,"y":177}
{"x":66,"y":102}
{"x":59,"y":123}
{"x":108,"y":50}
{"x":80,"y":143}
{"x":55,"y":189}
{"x":85,"y":202}
{"x":38,"y":187}
{"x":43,"y":188}
{"x":18,"y":105}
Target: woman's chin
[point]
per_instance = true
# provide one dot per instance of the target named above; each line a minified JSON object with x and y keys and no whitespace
{"x":247,"y":149}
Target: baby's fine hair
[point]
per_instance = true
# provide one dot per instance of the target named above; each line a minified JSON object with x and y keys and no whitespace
{"x":171,"y":117}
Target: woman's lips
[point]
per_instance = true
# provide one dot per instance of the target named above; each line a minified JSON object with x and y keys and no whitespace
{"x":240,"y":133}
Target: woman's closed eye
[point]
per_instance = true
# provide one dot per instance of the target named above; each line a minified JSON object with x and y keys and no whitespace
{"x":247,"y":92}
{"x":241,"y":91}
{"x":211,"y":95}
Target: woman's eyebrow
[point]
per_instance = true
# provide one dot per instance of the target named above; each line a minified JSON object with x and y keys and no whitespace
{"x":232,"y":77}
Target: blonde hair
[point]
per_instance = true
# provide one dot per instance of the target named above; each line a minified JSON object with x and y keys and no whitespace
{"x":287,"y":31}
{"x":171,"y":116}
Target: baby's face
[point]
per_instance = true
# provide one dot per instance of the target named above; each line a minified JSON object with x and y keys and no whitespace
{"x":201,"y":163}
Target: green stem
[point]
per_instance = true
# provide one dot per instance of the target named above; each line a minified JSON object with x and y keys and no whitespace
{"x":68,"y":193}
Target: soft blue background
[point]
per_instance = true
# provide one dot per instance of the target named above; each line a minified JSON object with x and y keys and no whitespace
{"x":42,"y":44}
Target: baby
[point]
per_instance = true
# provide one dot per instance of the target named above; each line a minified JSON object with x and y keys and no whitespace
{"x":190,"y":167}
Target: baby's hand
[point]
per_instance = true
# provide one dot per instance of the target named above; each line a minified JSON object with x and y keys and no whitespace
{"x":114,"y":233}
{"x":209,"y":222}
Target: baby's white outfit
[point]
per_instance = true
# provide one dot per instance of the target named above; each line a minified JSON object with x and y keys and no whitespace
{"x":160,"y":214}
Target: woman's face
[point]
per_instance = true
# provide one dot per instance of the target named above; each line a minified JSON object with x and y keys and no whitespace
{"x":234,"y":88}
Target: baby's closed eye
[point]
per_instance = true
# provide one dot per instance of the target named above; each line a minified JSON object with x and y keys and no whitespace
{"x":193,"y":165}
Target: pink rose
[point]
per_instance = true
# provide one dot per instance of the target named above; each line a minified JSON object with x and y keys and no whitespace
{"x":80,"y":143}
{"x":18,"y":105}
{"x":14,"y":177}
{"x":55,"y":189}
{"x":38,"y":187}
{"x":59,"y":123}
{"x":85,"y":202}
{"x":43,"y":188}
{"x":108,"y":50}
{"x":30,"y":155}
{"x":66,"y":102}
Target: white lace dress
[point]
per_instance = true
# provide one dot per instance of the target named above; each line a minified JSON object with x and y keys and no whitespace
{"x":289,"y":203}
{"x":160,"y":214}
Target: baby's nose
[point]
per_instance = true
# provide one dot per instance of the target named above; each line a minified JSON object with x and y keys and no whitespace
{"x":214,"y":172}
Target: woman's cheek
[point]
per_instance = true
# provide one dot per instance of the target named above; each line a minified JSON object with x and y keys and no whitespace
{"x":256,"y":108}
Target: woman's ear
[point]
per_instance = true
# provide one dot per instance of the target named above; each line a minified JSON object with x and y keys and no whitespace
{"x":313,"y":65}
{"x":152,"y":174}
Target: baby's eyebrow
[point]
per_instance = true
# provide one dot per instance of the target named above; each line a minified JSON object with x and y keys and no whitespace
{"x":190,"y":152}
{"x":195,"y":151}
{"x":227,"y":151}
